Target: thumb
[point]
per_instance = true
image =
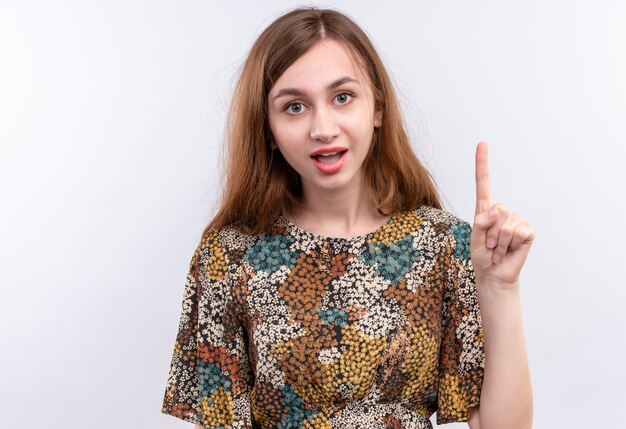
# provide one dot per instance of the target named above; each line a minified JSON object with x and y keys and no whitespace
{"x":482,"y":222}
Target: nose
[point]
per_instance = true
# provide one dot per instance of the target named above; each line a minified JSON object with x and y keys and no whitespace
{"x":324,"y":126}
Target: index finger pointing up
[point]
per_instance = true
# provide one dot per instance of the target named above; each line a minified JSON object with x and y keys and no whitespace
{"x":483,"y":184}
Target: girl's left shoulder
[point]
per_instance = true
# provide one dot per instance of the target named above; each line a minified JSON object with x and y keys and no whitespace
{"x":439,"y":217}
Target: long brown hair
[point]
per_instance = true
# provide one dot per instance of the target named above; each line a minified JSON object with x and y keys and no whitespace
{"x":260,"y":183}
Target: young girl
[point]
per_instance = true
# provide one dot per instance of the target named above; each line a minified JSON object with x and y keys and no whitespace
{"x":331,"y":290}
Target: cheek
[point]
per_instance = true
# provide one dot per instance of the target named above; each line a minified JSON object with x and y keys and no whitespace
{"x":362,"y":135}
{"x":361,"y":122}
{"x":289,"y":134}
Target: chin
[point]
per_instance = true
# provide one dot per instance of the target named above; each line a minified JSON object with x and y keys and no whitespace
{"x":334,"y":183}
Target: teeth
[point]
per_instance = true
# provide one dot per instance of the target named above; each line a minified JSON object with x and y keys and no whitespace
{"x":328,"y":153}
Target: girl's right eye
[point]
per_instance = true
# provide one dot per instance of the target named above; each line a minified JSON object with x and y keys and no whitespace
{"x":289,"y":106}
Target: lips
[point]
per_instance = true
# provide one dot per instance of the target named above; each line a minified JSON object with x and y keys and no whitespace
{"x":328,"y":150}
{"x":331,"y":161}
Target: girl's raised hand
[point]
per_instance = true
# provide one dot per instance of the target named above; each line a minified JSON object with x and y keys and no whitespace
{"x":500,"y":240}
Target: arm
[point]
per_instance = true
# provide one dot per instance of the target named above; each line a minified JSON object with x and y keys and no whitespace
{"x":474,"y":418}
{"x":506,"y":396}
{"x":500,"y":242}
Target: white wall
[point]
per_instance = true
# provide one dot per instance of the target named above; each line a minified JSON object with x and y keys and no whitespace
{"x":111,"y":113}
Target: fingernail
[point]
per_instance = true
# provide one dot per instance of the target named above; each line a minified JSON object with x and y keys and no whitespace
{"x":491,"y":243}
{"x":497,"y":258}
{"x":492,"y":213}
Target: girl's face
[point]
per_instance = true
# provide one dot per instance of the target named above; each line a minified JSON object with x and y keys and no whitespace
{"x":324,"y":103}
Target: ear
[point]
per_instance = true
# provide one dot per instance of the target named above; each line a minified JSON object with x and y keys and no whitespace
{"x":378,"y":118}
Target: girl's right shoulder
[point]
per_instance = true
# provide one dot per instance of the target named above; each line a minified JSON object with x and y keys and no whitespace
{"x":225,"y":241}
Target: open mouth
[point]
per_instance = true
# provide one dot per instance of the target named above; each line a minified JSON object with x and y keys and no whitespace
{"x":330,"y":162}
{"x":329,"y":158}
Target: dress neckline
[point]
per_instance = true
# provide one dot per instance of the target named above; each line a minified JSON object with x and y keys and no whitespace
{"x":299,"y":231}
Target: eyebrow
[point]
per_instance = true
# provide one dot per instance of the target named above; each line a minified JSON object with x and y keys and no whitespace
{"x":297,"y":92}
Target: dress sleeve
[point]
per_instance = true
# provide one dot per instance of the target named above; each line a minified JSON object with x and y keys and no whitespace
{"x":209,"y":378}
{"x":462,"y":353}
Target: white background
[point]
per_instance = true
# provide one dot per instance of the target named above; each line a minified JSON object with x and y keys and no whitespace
{"x":111,"y":114}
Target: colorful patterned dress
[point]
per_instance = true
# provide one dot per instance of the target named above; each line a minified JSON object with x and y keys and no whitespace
{"x":298,"y":330}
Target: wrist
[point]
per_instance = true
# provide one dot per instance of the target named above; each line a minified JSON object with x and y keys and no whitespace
{"x":491,"y":292}
{"x":497,"y":285}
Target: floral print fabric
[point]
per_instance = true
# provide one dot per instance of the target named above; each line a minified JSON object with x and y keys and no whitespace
{"x":297,"y":330}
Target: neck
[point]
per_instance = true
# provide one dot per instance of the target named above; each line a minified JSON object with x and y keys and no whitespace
{"x":345,"y":212}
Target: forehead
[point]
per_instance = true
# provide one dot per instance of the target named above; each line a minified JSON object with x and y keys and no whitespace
{"x":326,"y":61}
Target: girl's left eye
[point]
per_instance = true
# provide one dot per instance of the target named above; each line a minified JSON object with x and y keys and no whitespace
{"x":345,"y":96}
